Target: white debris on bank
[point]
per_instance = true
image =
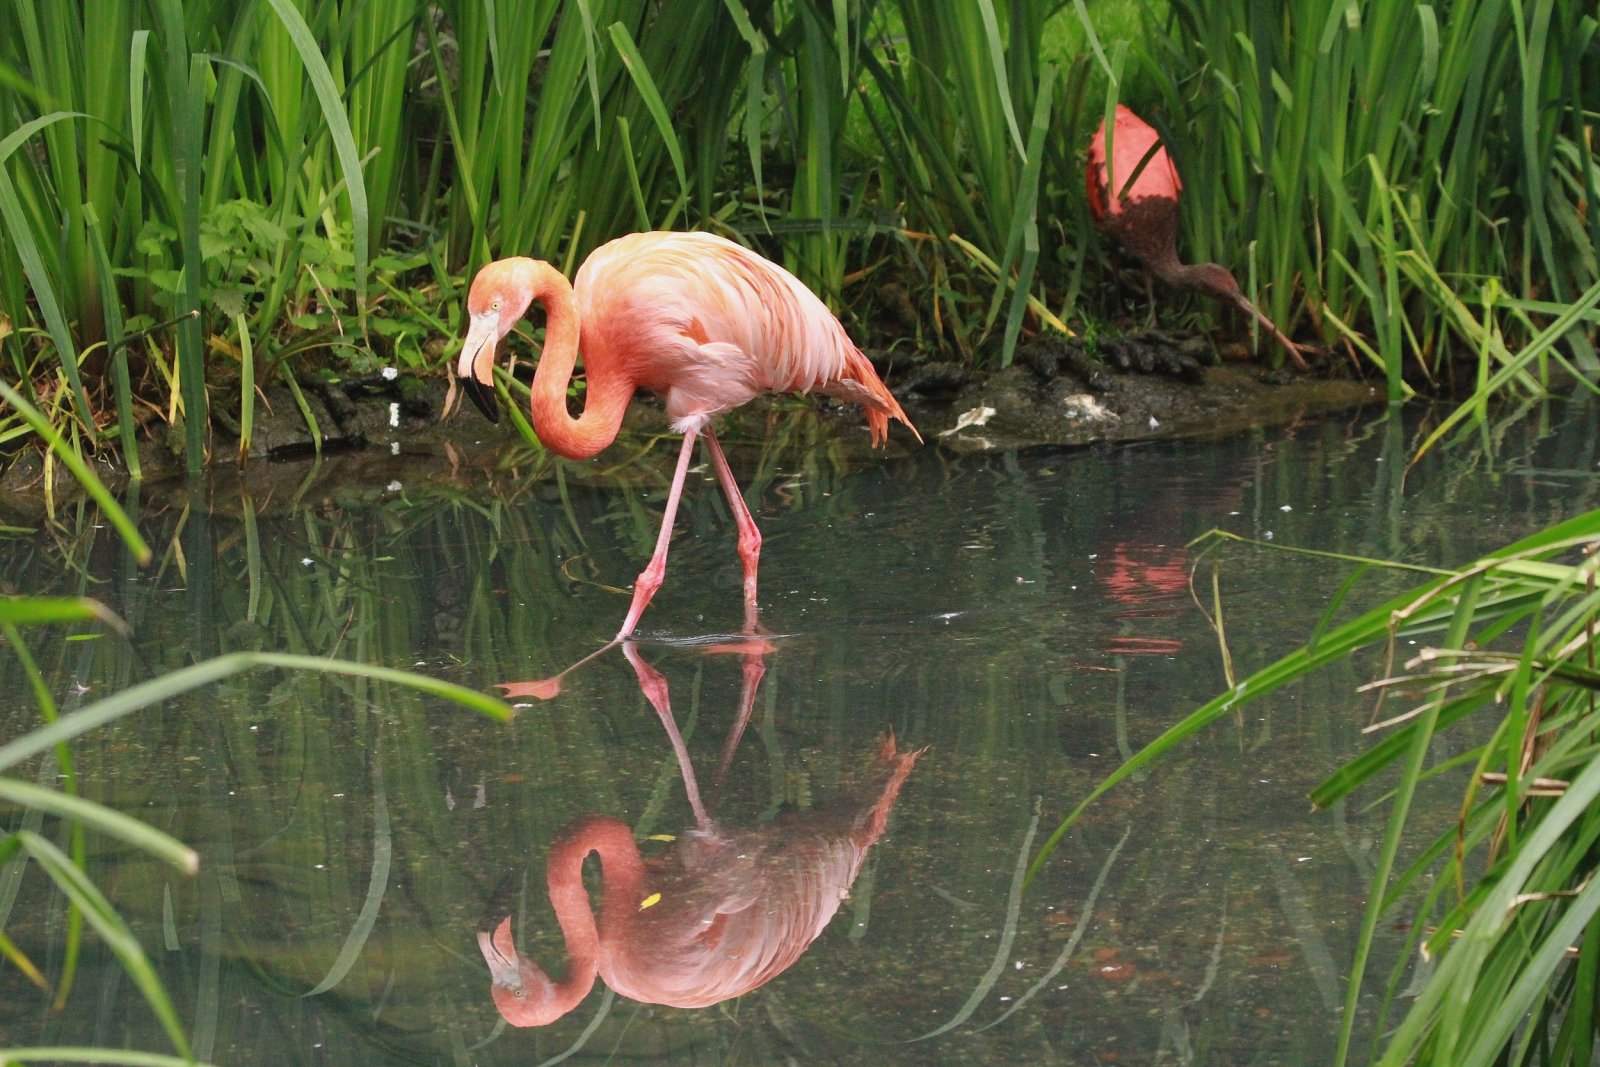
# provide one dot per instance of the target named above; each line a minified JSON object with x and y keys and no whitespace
{"x":1087,"y":408}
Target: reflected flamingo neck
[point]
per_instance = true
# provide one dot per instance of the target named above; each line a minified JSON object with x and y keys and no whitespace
{"x":622,"y":881}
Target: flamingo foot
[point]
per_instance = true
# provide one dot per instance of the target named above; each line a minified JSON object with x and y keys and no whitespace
{"x":750,"y":644}
{"x":549,"y":688}
{"x":539,"y":689}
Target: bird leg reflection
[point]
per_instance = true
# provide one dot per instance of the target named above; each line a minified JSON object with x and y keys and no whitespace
{"x":749,"y":644}
{"x":654,"y":688}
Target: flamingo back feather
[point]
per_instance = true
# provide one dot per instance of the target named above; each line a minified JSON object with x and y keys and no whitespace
{"x":739,"y":907}
{"x":709,"y":325}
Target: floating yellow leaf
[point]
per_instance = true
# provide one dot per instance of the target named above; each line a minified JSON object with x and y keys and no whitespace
{"x":653,"y":898}
{"x":661,"y":837}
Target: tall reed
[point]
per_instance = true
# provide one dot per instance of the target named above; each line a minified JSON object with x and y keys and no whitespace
{"x":1339,"y":148}
{"x":314,"y":177}
{"x":631,"y":107}
{"x":139,"y":133}
{"x":962,"y":106}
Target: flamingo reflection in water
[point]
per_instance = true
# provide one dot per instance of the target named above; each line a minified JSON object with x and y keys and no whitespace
{"x":724,"y":912}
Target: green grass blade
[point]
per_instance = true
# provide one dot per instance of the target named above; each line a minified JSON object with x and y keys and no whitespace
{"x":468,"y":698}
{"x":304,"y":407}
{"x":997,"y":63}
{"x":138,"y":58}
{"x":591,"y":69}
{"x":344,"y":142}
{"x":116,"y":342}
{"x":640,"y":73}
{"x":114,"y":707}
{"x":27,"y":250}
{"x":118,"y":1057}
{"x":755,"y":83}
{"x":109,"y":925}
{"x":99,"y":817}
{"x":1400,"y":808}
{"x":39,"y":611}
{"x":1025,"y":230}
{"x":382,"y":856}
{"x":1540,"y":344}
{"x":247,"y":389}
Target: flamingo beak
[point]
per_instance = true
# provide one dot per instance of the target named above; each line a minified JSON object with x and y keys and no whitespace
{"x":476,"y":368}
{"x":501,"y":956}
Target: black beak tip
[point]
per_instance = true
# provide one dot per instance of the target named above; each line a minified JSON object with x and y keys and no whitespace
{"x":483,"y":396}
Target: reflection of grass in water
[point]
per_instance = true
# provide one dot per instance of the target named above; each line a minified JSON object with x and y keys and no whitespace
{"x":472,"y":585}
{"x":275,"y":602}
{"x":313,"y":739}
{"x":70,"y":874}
{"x":1502,"y":897}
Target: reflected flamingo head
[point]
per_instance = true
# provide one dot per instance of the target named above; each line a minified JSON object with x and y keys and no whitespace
{"x":523,"y":993}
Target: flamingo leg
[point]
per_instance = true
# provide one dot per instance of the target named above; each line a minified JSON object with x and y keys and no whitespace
{"x":654,"y":571}
{"x":550,"y":688}
{"x":654,"y":687}
{"x":749,"y":535}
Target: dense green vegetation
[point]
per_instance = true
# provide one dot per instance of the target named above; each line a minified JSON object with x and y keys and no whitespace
{"x":201,"y":198}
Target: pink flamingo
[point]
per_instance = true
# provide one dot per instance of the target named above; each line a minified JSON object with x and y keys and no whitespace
{"x":1143,"y":216}
{"x":703,"y":322}
{"x":725,"y":912}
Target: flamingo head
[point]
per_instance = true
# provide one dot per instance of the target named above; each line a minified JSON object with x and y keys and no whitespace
{"x":499,"y":296}
{"x":522,"y":992}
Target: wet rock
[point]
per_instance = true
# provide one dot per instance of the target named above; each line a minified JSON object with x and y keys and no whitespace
{"x":348,"y":414}
{"x":1051,"y":356}
{"x":1152,"y":385}
{"x":934,"y":379}
{"x":1152,"y":352}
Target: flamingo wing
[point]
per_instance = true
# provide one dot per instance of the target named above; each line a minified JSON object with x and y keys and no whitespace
{"x":724,"y":929}
{"x":709,"y":325}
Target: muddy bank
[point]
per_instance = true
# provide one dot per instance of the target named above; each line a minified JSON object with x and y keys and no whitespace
{"x":387,"y":434}
{"x":1139,"y":387}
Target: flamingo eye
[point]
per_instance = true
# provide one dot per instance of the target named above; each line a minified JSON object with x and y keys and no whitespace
{"x":495,"y":306}
{"x":517,"y":992}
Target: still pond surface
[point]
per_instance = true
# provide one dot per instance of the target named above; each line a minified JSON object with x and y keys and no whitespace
{"x":1022,"y":620}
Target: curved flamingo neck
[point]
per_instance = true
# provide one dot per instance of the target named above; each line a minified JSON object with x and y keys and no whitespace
{"x":621,"y":889}
{"x":608,"y":392}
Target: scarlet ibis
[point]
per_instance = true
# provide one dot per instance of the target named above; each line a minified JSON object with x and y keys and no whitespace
{"x":1143,"y":216}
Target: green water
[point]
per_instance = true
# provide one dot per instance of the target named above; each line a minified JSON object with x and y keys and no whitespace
{"x":1024,"y":617}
